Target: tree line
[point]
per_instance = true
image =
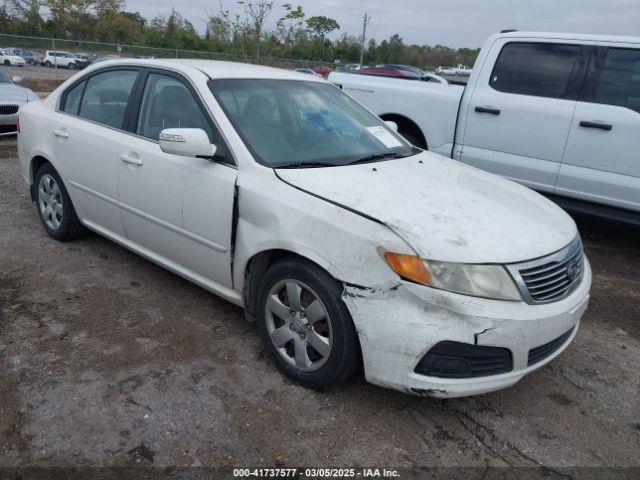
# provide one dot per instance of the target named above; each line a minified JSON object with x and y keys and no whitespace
{"x":248,"y":33}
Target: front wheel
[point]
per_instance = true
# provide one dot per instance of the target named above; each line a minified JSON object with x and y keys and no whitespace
{"x":305,"y":326}
{"x":7,"y":63}
{"x":54,"y":205}
{"x":48,"y":64}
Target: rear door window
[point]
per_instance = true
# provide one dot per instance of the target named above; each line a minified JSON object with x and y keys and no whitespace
{"x":538,"y":69}
{"x":106,"y":96}
{"x":619,"y":82}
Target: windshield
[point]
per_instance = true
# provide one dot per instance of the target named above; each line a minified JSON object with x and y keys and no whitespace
{"x":293,"y":123}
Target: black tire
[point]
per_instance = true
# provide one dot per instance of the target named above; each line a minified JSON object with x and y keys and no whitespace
{"x":71,"y":66}
{"x":48,"y":64}
{"x":7,"y":63}
{"x":69,"y":226}
{"x":344,"y":358}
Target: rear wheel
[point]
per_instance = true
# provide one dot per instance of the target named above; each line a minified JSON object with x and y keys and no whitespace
{"x":54,"y":205}
{"x":305,"y":326}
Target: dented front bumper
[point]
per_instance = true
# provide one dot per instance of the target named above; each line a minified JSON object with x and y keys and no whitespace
{"x":398,"y":326}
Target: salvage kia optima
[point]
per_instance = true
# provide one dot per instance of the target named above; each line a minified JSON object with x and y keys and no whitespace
{"x":349,"y":247}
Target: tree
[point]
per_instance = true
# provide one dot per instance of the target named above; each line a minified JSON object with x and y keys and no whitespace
{"x":257,"y":11}
{"x":103,"y":8}
{"x":320,"y":26}
{"x":289,"y":25}
{"x":71,"y":17}
{"x":28,"y":11}
{"x":396,"y":49}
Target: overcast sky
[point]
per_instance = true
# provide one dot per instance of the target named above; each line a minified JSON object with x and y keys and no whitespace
{"x":456,"y":23}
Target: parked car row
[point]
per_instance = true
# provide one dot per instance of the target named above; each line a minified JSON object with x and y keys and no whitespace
{"x":385,"y":70}
{"x":459,"y":71}
{"x":17,"y":57}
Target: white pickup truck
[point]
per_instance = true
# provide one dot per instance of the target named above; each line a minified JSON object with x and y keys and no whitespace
{"x":559,"y":113}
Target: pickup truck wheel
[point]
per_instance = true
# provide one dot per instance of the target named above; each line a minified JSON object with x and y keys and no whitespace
{"x":54,"y":205}
{"x":305,"y":326}
{"x":48,"y":64}
{"x":7,"y":63}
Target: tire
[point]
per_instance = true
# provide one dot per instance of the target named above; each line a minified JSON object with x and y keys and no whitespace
{"x":71,"y":66}
{"x":56,"y":212}
{"x":284,"y":335}
{"x":7,"y":63}
{"x":48,"y":64}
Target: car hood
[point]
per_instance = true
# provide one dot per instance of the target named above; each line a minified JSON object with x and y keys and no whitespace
{"x":445,"y":210}
{"x":13,"y":93}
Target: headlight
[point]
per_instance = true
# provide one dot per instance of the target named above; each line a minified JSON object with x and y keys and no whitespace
{"x":487,"y":281}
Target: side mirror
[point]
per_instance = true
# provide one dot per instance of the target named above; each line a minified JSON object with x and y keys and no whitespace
{"x":188,"y":142}
{"x":16,"y":79}
{"x":392,"y":125}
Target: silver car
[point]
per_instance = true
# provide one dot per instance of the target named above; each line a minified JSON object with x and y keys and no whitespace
{"x":12,"y":97}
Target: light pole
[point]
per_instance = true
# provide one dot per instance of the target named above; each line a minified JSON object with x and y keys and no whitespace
{"x":367,"y":18}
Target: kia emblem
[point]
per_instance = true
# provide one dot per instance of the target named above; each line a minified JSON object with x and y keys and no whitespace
{"x":572,"y":271}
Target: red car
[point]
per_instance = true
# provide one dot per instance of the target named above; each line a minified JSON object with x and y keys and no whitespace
{"x":384,"y":72}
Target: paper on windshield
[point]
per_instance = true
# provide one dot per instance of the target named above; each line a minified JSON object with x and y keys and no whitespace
{"x":384,"y":137}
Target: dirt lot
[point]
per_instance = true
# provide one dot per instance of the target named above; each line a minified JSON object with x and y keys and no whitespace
{"x":107,"y":359}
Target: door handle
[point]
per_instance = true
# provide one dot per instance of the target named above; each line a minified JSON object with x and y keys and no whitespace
{"x":599,"y":125}
{"x":60,"y":132}
{"x":132,"y":160}
{"x":490,"y":110}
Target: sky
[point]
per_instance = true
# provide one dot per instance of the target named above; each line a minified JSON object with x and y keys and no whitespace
{"x":454,"y":23}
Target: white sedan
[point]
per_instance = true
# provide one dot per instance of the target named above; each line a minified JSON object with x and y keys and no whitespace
{"x":350,"y":248}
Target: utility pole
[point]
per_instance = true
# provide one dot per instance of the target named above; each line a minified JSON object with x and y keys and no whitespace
{"x":367,"y":18}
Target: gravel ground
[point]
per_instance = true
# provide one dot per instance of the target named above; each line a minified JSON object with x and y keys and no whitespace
{"x":107,"y":359}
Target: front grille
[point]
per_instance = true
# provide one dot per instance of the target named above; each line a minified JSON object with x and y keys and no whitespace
{"x":8,"y":109}
{"x":462,"y":360}
{"x":550,"y":278}
{"x":543,"y":351}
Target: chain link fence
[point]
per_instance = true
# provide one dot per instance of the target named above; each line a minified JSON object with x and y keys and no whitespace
{"x":97,"y":49}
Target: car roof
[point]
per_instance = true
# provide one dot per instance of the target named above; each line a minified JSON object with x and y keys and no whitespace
{"x":216,"y":69}
{"x":586,"y":37}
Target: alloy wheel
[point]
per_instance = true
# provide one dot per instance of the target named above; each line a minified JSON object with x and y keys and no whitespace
{"x":298,"y":325}
{"x":50,"y":201}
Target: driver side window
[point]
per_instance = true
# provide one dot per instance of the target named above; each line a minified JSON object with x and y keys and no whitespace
{"x":168,"y":103}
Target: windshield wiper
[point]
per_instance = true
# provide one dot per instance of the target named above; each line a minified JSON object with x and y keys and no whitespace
{"x":307,"y":165}
{"x":377,"y":157}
